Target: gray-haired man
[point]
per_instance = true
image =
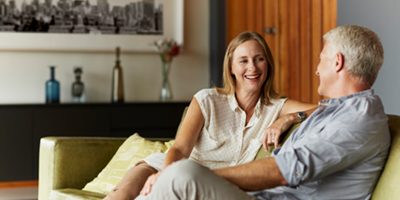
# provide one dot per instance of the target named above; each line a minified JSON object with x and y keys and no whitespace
{"x":337,"y":153}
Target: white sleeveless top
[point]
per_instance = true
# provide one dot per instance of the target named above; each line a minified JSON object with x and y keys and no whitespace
{"x":224,"y":139}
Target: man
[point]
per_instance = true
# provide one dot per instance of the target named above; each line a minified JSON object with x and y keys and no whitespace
{"x":337,"y":153}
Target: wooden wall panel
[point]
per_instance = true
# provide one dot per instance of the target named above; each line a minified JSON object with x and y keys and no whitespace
{"x":251,"y":18}
{"x":297,"y":43}
{"x":329,"y":17}
{"x":284,"y":47}
{"x":294,"y":49}
{"x":305,"y":51}
{"x":258,"y":15}
{"x":316,"y":46}
{"x":236,"y":18}
{"x":271,"y":19}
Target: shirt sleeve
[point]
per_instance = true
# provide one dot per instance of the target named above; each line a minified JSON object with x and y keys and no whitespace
{"x":202,"y":97}
{"x":339,"y":144}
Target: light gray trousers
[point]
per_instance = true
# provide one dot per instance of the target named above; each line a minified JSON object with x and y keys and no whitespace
{"x":187,"y":180}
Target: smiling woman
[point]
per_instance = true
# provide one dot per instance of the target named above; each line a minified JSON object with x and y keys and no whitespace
{"x":223,"y":126}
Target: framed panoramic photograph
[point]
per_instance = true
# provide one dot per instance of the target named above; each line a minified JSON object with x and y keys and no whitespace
{"x":88,"y":25}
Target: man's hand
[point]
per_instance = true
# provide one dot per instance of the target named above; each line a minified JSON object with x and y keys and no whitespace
{"x":273,"y":133}
{"x":149,"y":183}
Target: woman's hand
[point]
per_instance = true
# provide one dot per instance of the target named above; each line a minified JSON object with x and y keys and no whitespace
{"x":149,"y":183}
{"x":273,"y":133}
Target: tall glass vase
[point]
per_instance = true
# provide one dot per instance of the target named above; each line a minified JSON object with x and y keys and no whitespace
{"x":166,"y":92}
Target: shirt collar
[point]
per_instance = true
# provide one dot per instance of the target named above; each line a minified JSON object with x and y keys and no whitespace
{"x":234,"y":105}
{"x":334,"y":101}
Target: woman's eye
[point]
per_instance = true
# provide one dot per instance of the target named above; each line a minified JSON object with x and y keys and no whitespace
{"x":260,"y":59}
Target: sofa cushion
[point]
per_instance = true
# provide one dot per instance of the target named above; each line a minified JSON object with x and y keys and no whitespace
{"x":134,"y":149}
{"x":75,"y":194}
{"x":388,"y":184}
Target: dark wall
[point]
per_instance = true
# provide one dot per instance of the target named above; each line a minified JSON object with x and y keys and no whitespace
{"x":22,"y":127}
{"x":217,"y":40}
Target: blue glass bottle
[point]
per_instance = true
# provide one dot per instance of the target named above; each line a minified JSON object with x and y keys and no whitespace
{"x":52,"y":88}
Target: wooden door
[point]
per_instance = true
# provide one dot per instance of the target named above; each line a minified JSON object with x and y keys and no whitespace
{"x":295,"y":42}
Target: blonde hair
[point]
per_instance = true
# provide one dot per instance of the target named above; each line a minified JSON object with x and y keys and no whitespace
{"x":229,"y":83}
{"x":361,"y":48}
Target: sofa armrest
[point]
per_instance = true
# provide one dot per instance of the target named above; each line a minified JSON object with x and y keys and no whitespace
{"x":71,"y":162}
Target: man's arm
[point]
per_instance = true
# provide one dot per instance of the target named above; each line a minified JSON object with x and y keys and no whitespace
{"x":257,"y":175}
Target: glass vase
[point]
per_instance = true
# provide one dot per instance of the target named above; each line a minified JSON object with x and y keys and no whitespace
{"x":166,"y":92}
{"x":78,"y":88}
{"x":52,"y":88}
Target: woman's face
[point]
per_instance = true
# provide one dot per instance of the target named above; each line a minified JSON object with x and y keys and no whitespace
{"x":250,"y":66}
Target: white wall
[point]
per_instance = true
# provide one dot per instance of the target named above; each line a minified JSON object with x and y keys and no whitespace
{"x":382,"y":17}
{"x":23,"y":74}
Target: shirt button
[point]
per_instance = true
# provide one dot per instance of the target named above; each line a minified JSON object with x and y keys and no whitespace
{"x":298,"y":173}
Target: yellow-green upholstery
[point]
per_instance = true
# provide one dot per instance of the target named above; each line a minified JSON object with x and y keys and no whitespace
{"x":133,"y":150}
{"x":68,"y":163}
{"x":388,"y":186}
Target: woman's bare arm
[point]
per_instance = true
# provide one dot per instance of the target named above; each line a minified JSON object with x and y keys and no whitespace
{"x":187,"y":136}
{"x":286,"y":118}
{"x":184,"y":143}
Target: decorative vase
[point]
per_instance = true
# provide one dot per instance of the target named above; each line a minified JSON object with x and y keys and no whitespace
{"x":117,"y":86}
{"x":52,"y":88}
{"x":78,"y":88}
{"x":166,"y":92}
{"x":166,"y":49}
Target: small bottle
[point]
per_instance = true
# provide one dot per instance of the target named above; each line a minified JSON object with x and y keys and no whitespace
{"x":78,"y":88}
{"x":52,"y":88}
{"x":117,"y":90}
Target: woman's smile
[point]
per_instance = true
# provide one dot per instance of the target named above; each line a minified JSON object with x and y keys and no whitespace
{"x":252,"y":77}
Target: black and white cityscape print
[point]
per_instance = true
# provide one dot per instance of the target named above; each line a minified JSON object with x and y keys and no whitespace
{"x":130,"y":17}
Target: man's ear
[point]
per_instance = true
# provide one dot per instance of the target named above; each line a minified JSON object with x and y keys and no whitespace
{"x":339,"y":62}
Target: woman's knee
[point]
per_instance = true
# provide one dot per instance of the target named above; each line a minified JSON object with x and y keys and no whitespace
{"x":186,"y":170}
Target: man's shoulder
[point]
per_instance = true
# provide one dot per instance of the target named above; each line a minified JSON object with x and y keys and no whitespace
{"x":363,"y":116}
{"x":364,"y":106}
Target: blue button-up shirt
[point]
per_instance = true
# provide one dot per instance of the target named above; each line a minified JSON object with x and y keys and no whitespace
{"x":337,"y":153}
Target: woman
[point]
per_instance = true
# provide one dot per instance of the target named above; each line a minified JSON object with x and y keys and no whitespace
{"x":225,"y":126}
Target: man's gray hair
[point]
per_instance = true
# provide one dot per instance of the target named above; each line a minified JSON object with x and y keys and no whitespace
{"x":361,"y":48}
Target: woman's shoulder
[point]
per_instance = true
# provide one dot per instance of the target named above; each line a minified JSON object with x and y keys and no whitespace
{"x":207,"y":93}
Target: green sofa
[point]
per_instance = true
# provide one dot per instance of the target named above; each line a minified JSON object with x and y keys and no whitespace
{"x":66,"y":164}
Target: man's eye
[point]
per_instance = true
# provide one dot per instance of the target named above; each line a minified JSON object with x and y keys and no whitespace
{"x":243,"y":61}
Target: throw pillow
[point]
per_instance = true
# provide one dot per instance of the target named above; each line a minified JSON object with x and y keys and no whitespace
{"x":134,"y":149}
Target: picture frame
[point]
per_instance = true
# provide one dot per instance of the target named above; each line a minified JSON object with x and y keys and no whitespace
{"x":173,"y":16}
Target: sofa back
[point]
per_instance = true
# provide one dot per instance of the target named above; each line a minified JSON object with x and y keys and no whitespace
{"x":388,"y":186}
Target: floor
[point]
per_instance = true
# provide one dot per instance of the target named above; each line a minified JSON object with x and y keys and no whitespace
{"x":19,"y":193}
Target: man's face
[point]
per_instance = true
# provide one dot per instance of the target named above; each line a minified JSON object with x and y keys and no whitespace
{"x":325,"y":71}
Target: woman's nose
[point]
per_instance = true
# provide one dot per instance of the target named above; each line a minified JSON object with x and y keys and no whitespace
{"x":252,"y":66}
